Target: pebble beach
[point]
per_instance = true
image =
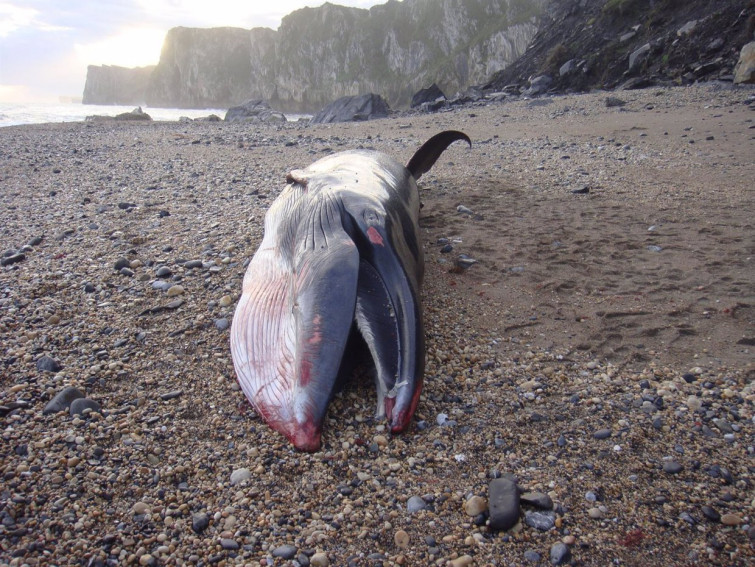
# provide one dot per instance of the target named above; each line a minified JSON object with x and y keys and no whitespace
{"x":589,"y":376}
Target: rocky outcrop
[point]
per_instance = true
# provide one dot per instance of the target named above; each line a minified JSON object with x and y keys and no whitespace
{"x":744,"y":72}
{"x":586,"y":44}
{"x":321,"y":54}
{"x":253,"y":111}
{"x":110,"y":84}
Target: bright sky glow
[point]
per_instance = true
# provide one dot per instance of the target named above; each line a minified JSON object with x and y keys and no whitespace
{"x":46,"y":45}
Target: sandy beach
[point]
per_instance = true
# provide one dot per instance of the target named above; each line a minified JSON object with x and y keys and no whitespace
{"x":599,"y":353}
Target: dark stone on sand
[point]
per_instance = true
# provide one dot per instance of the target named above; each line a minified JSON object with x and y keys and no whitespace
{"x":171,"y":395}
{"x":163,"y":272}
{"x":537,"y":499}
{"x":602,"y":434}
{"x":612,"y":101}
{"x":192,"y":264}
{"x":80,"y":405}
{"x":48,"y":364}
{"x":222,"y":324}
{"x":560,"y":553}
{"x":672,"y":467}
{"x":285,"y":551}
{"x":121,"y":263}
{"x":228,"y":544}
{"x":199,"y":522}
{"x":353,"y":109}
{"x":711,"y":513}
{"x":532,"y":556}
{"x":503,"y":503}
{"x":62,"y":400}
{"x":14,"y":259}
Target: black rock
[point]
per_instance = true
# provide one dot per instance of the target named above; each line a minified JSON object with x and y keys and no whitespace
{"x":711,"y":513}
{"x":163,"y":272}
{"x":79,"y":405}
{"x":602,"y":434}
{"x":428,"y":95}
{"x":199,"y":522}
{"x":62,"y":400}
{"x":48,"y":364}
{"x":353,"y":109}
{"x":121,"y":263}
{"x":503,"y":503}
{"x":538,"y":500}
{"x":14,"y":259}
{"x":229,"y":544}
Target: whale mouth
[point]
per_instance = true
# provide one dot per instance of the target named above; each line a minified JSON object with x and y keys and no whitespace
{"x":293,"y":321}
{"x":340,"y":254}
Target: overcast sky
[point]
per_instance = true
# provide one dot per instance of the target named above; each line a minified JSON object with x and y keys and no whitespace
{"x":46,"y":45}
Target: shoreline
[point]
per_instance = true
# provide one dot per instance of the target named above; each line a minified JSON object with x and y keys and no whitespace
{"x":600,"y":351}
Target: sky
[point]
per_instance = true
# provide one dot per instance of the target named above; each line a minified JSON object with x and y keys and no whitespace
{"x":46,"y":45}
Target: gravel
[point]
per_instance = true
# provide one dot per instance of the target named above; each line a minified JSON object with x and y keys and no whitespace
{"x":526,"y":366}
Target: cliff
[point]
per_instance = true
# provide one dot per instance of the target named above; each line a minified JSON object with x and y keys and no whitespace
{"x":587,"y":44}
{"x":110,"y":84}
{"x":320,"y":54}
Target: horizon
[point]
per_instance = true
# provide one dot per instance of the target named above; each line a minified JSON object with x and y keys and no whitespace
{"x":45,"y":48}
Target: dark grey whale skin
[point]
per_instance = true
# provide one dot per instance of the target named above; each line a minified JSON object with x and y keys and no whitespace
{"x":341,"y":252}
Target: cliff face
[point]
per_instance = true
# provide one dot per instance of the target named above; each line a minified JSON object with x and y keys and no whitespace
{"x":321,"y":54}
{"x":395,"y":49}
{"x":110,"y":84}
{"x":212,"y":68}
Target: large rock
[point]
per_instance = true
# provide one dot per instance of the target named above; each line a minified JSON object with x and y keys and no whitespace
{"x":503,"y":503}
{"x":353,"y":109}
{"x":136,"y":114}
{"x":539,"y":85}
{"x":744,"y":72}
{"x":429,"y":95}
{"x":638,"y":56}
{"x":253,"y":111}
{"x":62,"y":400}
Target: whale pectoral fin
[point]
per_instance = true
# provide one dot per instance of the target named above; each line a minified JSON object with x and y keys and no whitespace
{"x":426,"y":156}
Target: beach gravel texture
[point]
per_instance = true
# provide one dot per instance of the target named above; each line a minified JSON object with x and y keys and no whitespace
{"x":598,"y":355}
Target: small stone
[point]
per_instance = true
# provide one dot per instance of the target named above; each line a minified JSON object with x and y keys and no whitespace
{"x":163,"y":272}
{"x":694,"y":403}
{"x":415,"y":504}
{"x":128,"y":272}
{"x":319,"y":560}
{"x":537,"y":499}
{"x":171,"y":395}
{"x":175,"y":290}
{"x":240,"y":475}
{"x":711,"y":513}
{"x":228,"y":544}
{"x":602,"y":434}
{"x":532,"y":556}
{"x":48,"y":364}
{"x":225,"y":301}
{"x":80,"y":405}
{"x":192,"y":264}
{"x":147,"y":559}
{"x":140,"y":508}
{"x":401,"y":539}
{"x":560,"y":553}
{"x":672,"y":467}
{"x":462,"y":561}
{"x":475,"y":505}
{"x":285,"y":551}
{"x":62,"y":400}
{"x":503,"y":503}
{"x":542,"y":521}
{"x":731,"y":519}
{"x":199,"y":522}
{"x":595,"y":513}
{"x":121,"y":263}
{"x":222,"y":324}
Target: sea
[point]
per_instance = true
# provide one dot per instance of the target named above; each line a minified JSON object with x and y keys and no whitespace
{"x":12,"y":114}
